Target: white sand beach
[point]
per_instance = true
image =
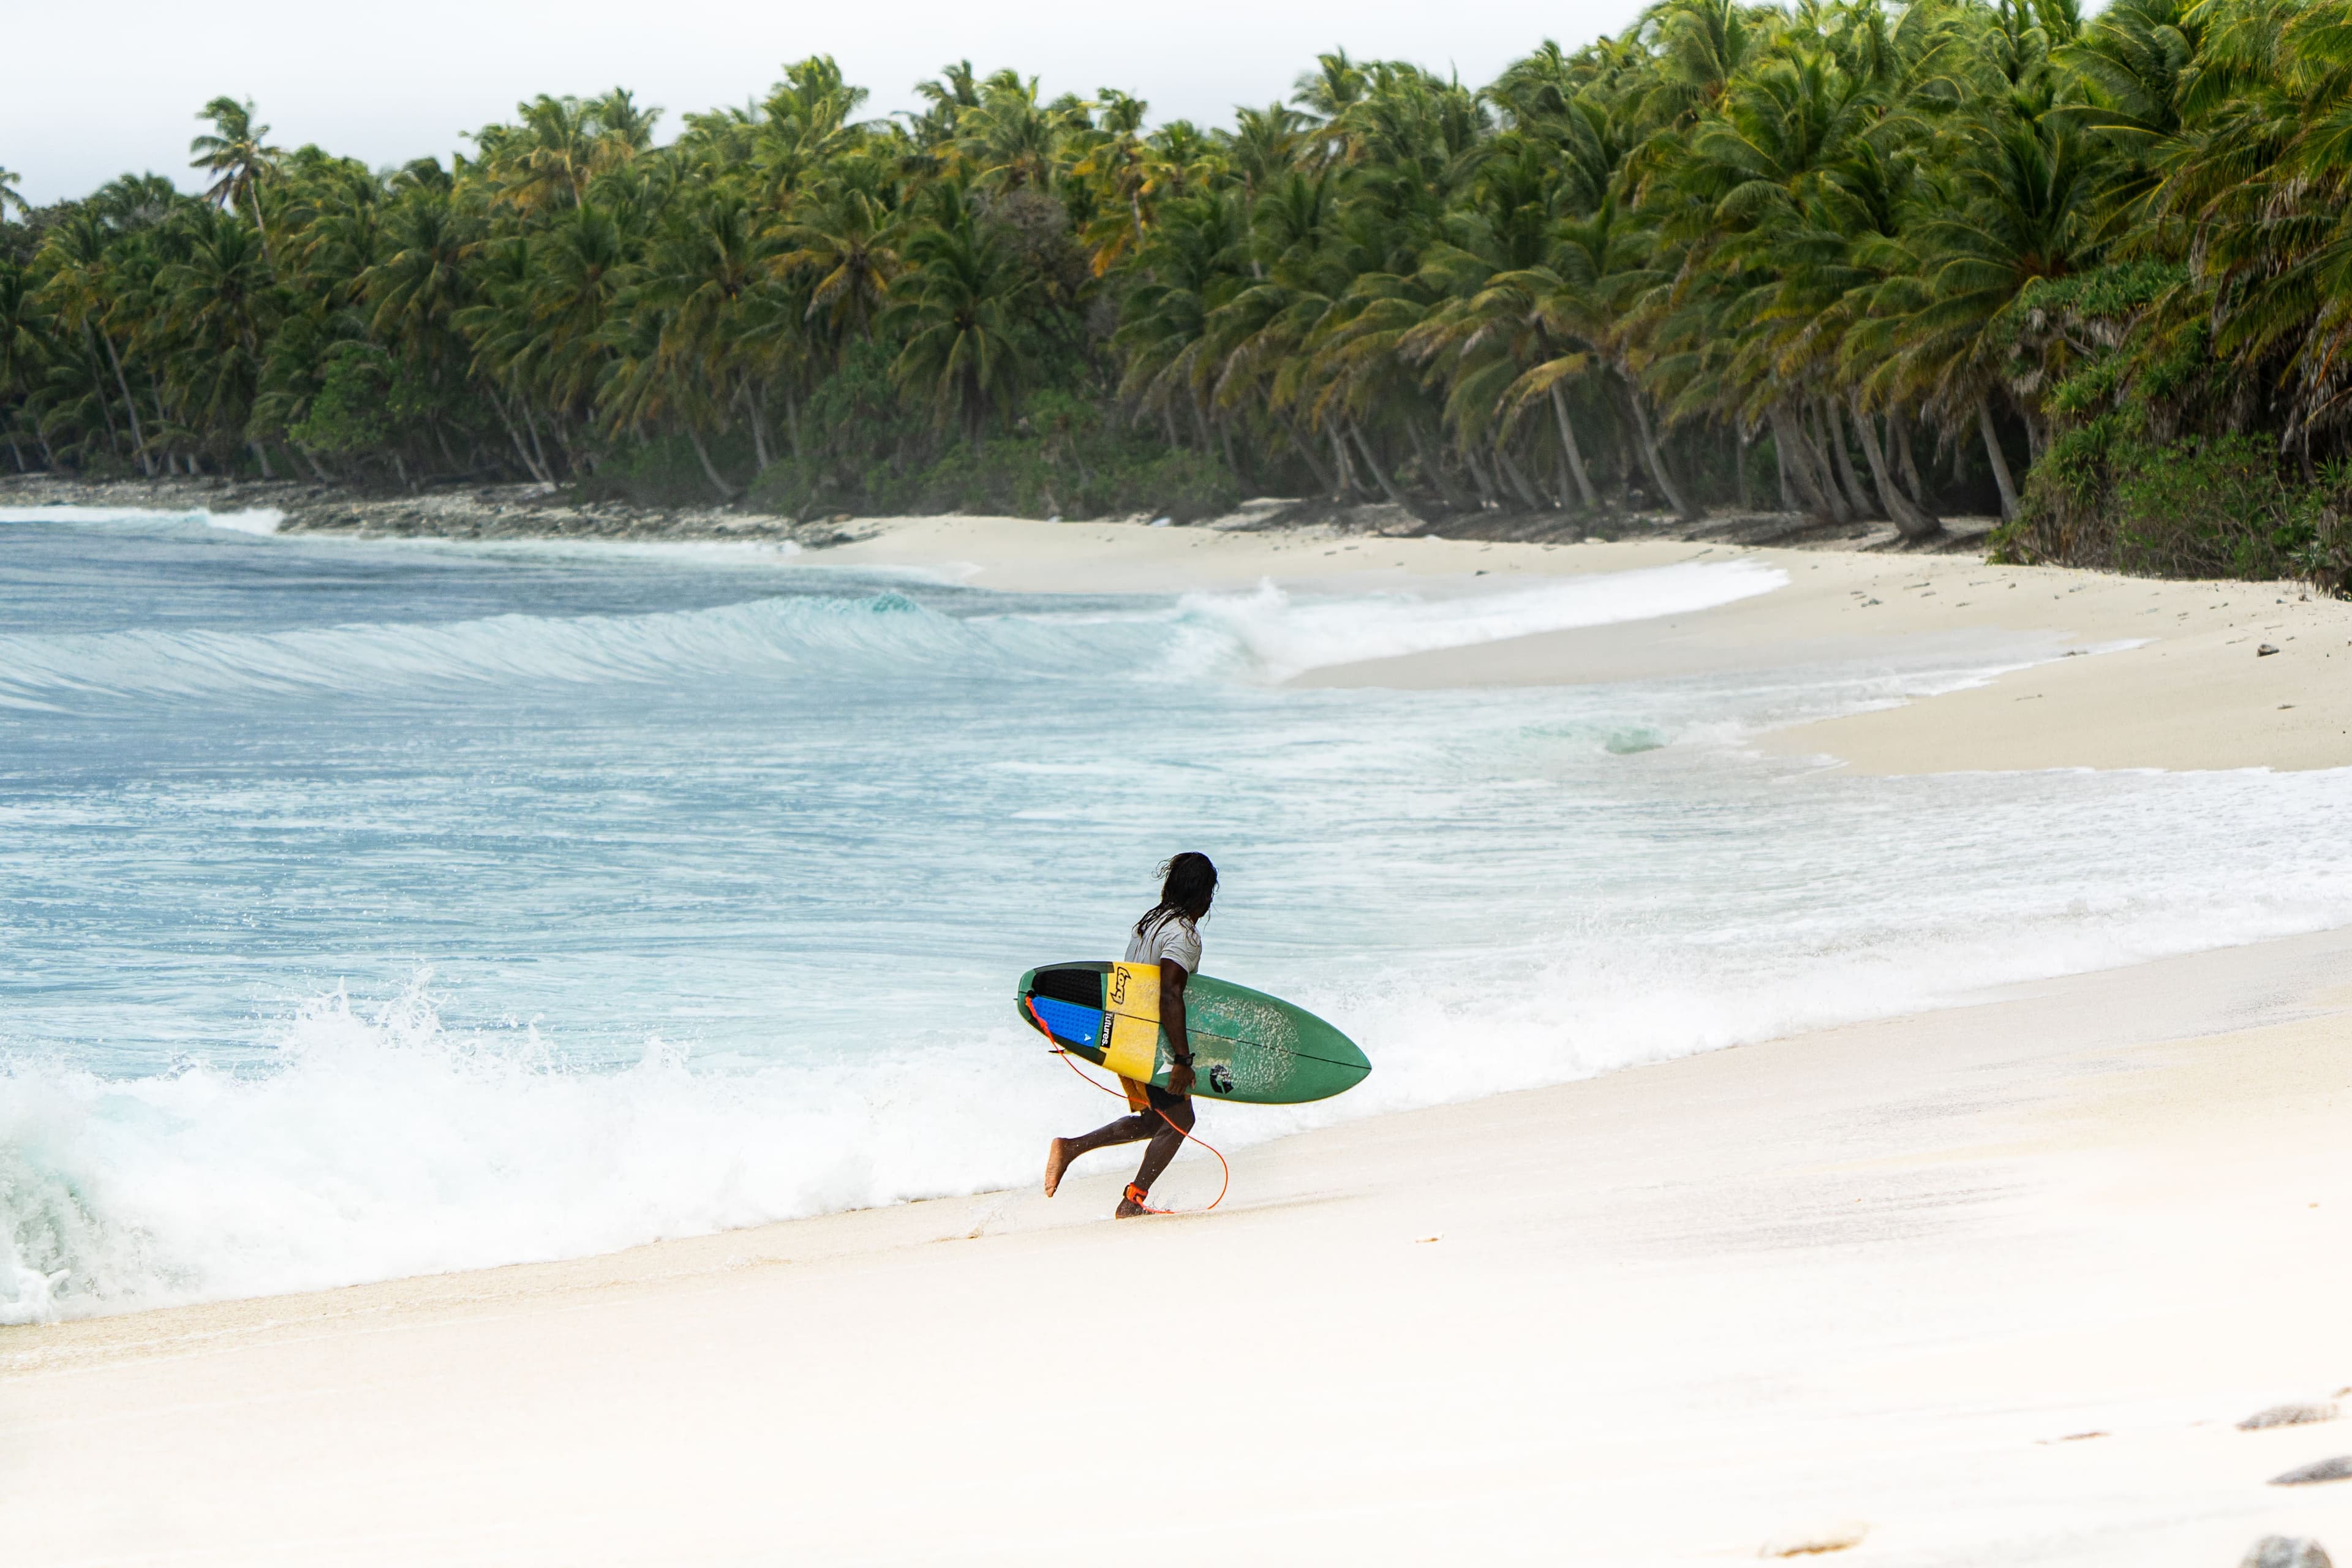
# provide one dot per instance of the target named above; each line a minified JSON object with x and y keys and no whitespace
{"x":2193,"y":694}
{"x":1994,"y":1283}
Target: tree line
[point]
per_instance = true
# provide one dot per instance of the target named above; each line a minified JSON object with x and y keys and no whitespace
{"x":1853,"y":260}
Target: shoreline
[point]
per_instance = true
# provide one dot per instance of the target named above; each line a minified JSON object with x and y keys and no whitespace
{"x":523,"y":511}
{"x":1990,"y":1282}
{"x":1967,"y":1247}
{"x":2174,"y":681}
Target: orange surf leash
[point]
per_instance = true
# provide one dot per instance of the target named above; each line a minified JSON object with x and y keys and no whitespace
{"x":1226,"y":1177}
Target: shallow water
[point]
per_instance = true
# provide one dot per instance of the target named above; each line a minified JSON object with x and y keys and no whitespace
{"x":374,"y":909}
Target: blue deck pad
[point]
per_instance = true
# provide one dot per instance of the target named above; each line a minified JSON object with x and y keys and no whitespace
{"x":1069,"y":1022}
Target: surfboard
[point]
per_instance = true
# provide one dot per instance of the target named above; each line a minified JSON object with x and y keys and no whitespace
{"x":1246,"y":1045}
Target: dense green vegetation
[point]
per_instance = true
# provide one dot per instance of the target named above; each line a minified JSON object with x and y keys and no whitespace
{"x":1858,"y":259}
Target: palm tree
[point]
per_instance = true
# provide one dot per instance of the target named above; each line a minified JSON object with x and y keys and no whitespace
{"x":1194,"y":260}
{"x":546,"y":162}
{"x":219,"y":307}
{"x":234,"y":153}
{"x":847,"y":239}
{"x":24,"y":348}
{"x":956,"y":310}
{"x":697,"y":290}
{"x":2026,"y":208}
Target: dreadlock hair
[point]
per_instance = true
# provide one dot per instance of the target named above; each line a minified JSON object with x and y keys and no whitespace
{"x":1186,"y":883}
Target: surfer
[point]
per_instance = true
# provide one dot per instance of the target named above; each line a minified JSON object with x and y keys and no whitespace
{"x":1168,"y":935}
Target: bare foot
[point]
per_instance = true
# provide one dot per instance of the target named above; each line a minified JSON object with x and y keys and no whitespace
{"x":1057,"y":1160}
{"x":1128,"y":1209}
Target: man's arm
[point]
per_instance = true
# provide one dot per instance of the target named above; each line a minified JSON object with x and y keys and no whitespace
{"x":1171,"y":1020}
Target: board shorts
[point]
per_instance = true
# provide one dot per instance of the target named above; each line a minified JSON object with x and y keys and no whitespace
{"x":1150,"y":1096}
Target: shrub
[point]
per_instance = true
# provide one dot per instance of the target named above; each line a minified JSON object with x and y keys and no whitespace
{"x":2214,"y":506}
{"x":2208,"y":506}
{"x":1064,"y":457}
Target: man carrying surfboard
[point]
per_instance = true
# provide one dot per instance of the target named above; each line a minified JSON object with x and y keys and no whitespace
{"x":1168,"y":935}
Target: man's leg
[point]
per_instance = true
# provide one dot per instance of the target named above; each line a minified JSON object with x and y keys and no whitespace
{"x":1126,"y":1130}
{"x":1165,"y":1141}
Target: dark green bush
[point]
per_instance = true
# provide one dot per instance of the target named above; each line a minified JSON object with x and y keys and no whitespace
{"x":2212,"y":505}
{"x":1063,"y":458}
{"x":2206,"y":506}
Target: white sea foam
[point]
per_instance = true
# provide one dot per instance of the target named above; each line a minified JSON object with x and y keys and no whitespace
{"x":1271,"y":631}
{"x":1287,"y":634}
{"x":765,"y":872}
{"x":146,"y":520}
{"x":421,"y":661}
{"x":375,"y":1144}
{"x":263,"y":520}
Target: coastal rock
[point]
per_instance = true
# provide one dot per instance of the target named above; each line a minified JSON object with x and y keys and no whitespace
{"x":2339,"y":1468}
{"x":2264,"y":651}
{"x":1815,"y":1541}
{"x":2285,"y":1552}
{"x":2296,"y":1414}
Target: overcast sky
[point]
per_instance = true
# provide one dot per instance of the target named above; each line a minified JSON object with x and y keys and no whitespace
{"x":94,"y":92}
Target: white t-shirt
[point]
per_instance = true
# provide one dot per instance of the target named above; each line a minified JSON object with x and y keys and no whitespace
{"x":1169,"y":939}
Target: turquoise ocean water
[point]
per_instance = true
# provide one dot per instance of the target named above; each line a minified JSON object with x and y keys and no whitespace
{"x":371,"y":908}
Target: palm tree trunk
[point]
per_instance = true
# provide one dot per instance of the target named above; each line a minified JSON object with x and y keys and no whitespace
{"x":129,"y":404}
{"x":1780,"y":470}
{"x":1349,"y":486}
{"x":759,"y":408}
{"x":1388,"y":486}
{"x":1898,"y":435}
{"x":1818,"y":469}
{"x":253,"y":189}
{"x":726,"y":491}
{"x":1518,"y":480}
{"x":515,"y":435}
{"x":2000,"y":464}
{"x":1836,"y":416}
{"x":16,"y":452}
{"x":546,"y":468}
{"x":793,"y":420}
{"x":1910,"y":521}
{"x":1306,"y":450}
{"x":1739,"y":468}
{"x":1797,"y":473}
{"x":1224,"y":439}
{"x":1487,"y":499}
{"x":105,"y":409}
{"x":312,"y":458}
{"x":261,"y":456}
{"x":1575,"y":453}
{"x":1834,"y":428}
{"x":1447,"y":496}
{"x":1654,"y":458}
{"x":163,"y":417}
